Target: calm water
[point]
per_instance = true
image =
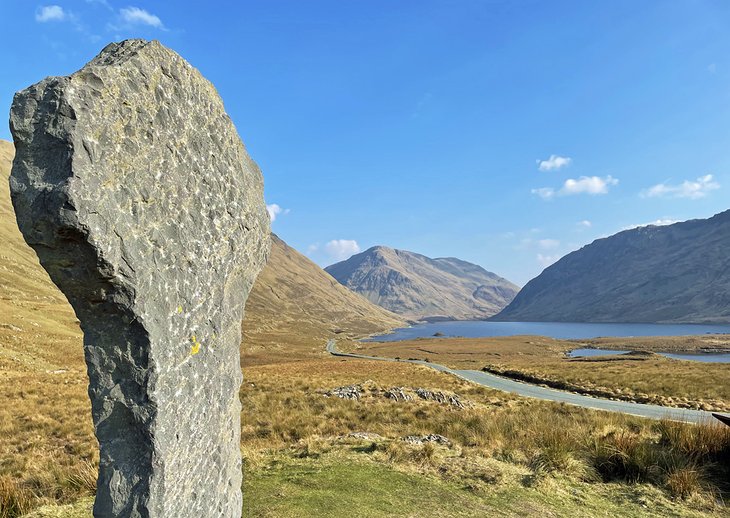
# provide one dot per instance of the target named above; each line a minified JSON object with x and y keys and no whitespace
{"x":479,"y":329}
{"x":697,"y":357}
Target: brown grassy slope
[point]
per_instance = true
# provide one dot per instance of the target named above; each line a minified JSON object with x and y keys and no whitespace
{"x":48,"y":453}
{"x":293,"y":307}
{"x":45,"y":419}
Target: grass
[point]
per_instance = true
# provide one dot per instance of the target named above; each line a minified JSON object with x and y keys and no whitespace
{"x":638,"y":377}
{"x":508,"y":456}
{"x":352,"y":481}
{"x":499,"y":441}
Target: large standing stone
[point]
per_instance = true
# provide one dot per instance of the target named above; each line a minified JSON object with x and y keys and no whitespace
{"x":133,"y":187}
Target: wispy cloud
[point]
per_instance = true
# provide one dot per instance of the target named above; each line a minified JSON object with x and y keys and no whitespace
{"x":585,"y":224}
{"x":137,"y":16}
{"x":546,"y":260}
{"x":421,"y":104}
{"x":655,"y":223}
{"x":312,"y":248}
{"x":100,"y":2}
{"x":592,"y":185}
{"x":712,"y":68}
{"x":274,"y":210}
{"x":340,"y":249}
{"x":693,"y":190}
{"x":51,"y":13}
{"x":548,"y":244}
{"x":553,"y":163}
{"x":546,"y":193}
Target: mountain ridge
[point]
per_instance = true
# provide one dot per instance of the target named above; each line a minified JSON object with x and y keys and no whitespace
{"x":293,"y":307}
{"x":673,"y":273}
{"x":421,"y":288}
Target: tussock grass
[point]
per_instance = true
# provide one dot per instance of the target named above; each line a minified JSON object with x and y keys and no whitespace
{"x":499,"y":441}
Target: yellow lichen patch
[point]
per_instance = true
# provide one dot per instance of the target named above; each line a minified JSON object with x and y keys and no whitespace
{"x":179,"y":309}
{"x":195,"y":348}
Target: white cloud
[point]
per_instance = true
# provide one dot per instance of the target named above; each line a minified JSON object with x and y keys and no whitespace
{"x":312,"y":248}
{"x":548,"y":244}
{"x":50,"y":13}
{"x":585,"y":224}
{"x":693,"y":190}
{"x":274,"y":210}
{"x":135,"y":15}
{"x":655,"y":223}
{"x":340,"y":249}
{"x":592,"y":185}
{"x":546,"y":193}
{"x":588,"y":185}
{"x":547,"y":260}
{"x":553,"y":163}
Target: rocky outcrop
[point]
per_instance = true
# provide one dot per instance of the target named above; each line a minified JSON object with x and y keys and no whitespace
{"x":675,"y":273}
{"x":421,"y":288}
{"x":368,"y":390}
{"x":134,"y":189}
{"x":418,"y":440}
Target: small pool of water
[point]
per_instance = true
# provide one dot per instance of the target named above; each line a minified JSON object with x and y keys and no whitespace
{"x":697,"y":357}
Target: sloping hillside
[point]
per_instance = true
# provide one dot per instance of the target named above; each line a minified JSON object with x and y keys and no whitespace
{"x":296,"y":304}
{"x":293,"y":307}
{"x":674,"y":273}
{"x":419,"y":287}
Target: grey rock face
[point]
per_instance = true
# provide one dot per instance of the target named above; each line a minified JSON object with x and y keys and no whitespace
{"x":133,"y":187}
{"x":674,"y":273}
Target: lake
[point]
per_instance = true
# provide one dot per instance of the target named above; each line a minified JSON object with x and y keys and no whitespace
{"x":561,"y":330}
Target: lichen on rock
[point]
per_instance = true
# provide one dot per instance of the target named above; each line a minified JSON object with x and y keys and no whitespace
{"x":136,"y":192}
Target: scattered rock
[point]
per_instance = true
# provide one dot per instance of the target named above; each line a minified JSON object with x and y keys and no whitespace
{"x":11,"y":327}
{"x":369,"y":389}
{"x":421,"y":439}
{"x":346,"y":392}
{"x":367,"y":436}
{"x":441,"y":397}
{"x":398,"y":394}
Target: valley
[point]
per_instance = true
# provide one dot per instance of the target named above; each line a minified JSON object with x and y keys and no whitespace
{"x":307,"y":452}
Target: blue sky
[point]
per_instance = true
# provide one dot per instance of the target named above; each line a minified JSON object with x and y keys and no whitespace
{"x":506,"y":133}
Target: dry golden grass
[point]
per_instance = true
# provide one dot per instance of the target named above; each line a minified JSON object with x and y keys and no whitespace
{"x":646,"y":378}
{"x":48,"y":454}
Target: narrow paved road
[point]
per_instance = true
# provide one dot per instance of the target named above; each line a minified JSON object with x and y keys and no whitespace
{"x":534,"y":391}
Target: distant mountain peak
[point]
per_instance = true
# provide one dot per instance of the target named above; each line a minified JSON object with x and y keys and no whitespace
{"x":419,"y":287}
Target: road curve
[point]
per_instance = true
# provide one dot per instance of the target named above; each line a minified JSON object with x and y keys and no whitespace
{"x":534,"y":391}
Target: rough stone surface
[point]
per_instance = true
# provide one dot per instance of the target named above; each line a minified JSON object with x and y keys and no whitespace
{"x":422,"y":439}
{"x":398,"y":394}
{"x":133,"y":187}
{"x":441,"y":397}
{"x":346,"y":392}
